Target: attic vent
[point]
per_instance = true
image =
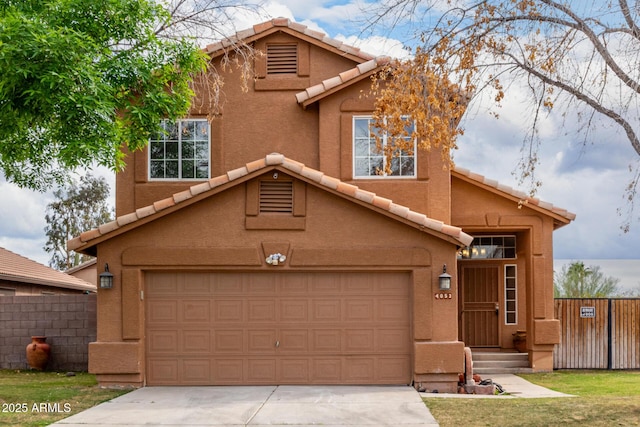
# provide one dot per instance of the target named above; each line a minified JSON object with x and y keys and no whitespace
{"x":276,"y":196}
{"x":282,"y":59}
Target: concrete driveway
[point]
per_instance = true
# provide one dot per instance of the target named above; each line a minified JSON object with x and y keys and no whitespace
{"x":261,"y":406}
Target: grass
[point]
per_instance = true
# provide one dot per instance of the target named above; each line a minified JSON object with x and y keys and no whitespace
{"x":32,"y":398}
{"x":602,"y":398}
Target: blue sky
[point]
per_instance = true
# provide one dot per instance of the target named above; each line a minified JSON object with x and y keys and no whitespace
{"x":588,"y":181}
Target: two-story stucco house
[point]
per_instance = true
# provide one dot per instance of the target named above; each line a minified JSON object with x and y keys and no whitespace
{"x":261,"y":245}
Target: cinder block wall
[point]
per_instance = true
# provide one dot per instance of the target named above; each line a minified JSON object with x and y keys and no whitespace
{"x":68,"y":322}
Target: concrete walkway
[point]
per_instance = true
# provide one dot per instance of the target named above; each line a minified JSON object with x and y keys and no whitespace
{"x":514,"y":386}
{"x":261,"y":406}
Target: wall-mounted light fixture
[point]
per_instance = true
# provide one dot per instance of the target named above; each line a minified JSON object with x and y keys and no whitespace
{"x":275,"y":259}
{"x":444,"y":279}
{"x":106,"y":278}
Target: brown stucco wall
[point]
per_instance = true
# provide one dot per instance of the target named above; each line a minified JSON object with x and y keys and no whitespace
{"x":480,"y":211}
{"x":212,"y":235}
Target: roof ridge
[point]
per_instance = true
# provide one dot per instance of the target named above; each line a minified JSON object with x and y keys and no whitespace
{"x":522,"y":196}
{"x":286,"y":23}
{"x":274,"y":159}
{"x":342,"y":78}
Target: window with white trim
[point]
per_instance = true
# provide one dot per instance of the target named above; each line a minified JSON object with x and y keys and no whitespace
{"x":490,"y":247}
{"x":180,"y":151}
{"x":510,"y":295}
{"x":371,"y":162}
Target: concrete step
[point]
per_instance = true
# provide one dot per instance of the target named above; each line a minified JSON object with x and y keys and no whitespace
{"x":500,"y":363}
{"x":485,"y":355}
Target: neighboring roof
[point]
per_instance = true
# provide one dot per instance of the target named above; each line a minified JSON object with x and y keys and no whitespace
{"x":82,"y":266}
{"x":17,"y":268}
{"x":562,"y":216}
{"x":346,"y":78}
{"x":264,"y":29}
{"x":197,"y":192}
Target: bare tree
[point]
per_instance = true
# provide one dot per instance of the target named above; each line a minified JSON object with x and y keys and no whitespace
{"x":582,"y":58}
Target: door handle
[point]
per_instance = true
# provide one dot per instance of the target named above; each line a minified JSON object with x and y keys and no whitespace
{"x":277,"y":344}
{"x":497,"y":309}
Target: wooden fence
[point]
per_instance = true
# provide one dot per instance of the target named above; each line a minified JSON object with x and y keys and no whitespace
{"x":598,"y":334}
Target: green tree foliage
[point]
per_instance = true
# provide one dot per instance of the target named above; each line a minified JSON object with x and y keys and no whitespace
{"x":78,"y":207}
{"x":81,"y":78}
{"x":577,"y":281}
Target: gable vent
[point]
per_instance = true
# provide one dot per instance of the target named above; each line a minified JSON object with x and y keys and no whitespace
{"x":282,"y":59}
{"x":276,"y":196}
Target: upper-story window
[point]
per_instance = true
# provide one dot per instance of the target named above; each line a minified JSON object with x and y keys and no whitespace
{"x":181,"y":151}
{"x":371,"y":162}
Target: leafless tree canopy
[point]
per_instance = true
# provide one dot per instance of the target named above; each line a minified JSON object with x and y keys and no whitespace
{"x":582,"y":58}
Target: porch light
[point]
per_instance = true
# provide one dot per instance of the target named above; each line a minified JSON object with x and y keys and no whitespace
{"x":444,"y":279}
{"x":106,"y":278}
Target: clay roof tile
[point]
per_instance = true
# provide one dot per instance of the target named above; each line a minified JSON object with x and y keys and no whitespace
{"x":237,"y":173}
{"x":200,"y":188}
{"x":145,"y":211}
{"x":182,"y":196}
{"x":164,"y":203}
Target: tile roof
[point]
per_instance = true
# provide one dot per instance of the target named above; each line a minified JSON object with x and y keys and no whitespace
{"x":347,"y":77}
{"x":279,"y":24}
{"x":17,"y":268}
{"x":522,"y":197}
{"x":271,"y":161}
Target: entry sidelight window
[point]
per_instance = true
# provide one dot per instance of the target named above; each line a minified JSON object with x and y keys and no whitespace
{"x":510,"y":294}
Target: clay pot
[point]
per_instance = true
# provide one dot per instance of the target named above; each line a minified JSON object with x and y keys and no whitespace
{"x":38,"y":353}
{"x":520,"y":341}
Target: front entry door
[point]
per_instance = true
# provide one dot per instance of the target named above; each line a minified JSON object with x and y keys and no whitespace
{"x":480,"y":306}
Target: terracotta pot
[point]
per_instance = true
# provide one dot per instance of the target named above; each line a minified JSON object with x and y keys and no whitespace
{"x":38,"y":353}
{"x":520,"y":341}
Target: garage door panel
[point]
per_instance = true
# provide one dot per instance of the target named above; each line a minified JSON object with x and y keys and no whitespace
{"x":266,"y":328}
{"x":326,"y":311}
{"x":261,"y":371}
{"x":389,"y":368}
{"x":391,"y":310}
{"x":195,"y":311}
{"x":294,"y":311}
{"x":163,"y":371}
{"x":389,"y":340}
{"x":359,"y":369}
{"x":261,"y":341}
{"x":196,"y":341}
{"x":196,"y":371}
{"x":162,"y":311}
{"x":163,"y":341}
{"x":359,"y":310}
{"x":359,"y":341}
{"x":228,"y":310}
{"x":261,"y":310}
{"x":293,"y":340}
{"x":228,"y":341}
{"x":294,"y":371}
{"x":195,"y":283}
{"x":326,"y":341}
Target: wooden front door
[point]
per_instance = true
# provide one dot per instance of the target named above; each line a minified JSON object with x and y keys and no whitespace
{"x":480,"y":306}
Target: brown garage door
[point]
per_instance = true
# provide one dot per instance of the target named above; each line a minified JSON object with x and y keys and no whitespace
{"x":277,"y":328}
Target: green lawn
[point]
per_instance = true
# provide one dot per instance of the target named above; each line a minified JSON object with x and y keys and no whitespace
{"x":603,"y":398}
{"x":32,"y":398}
